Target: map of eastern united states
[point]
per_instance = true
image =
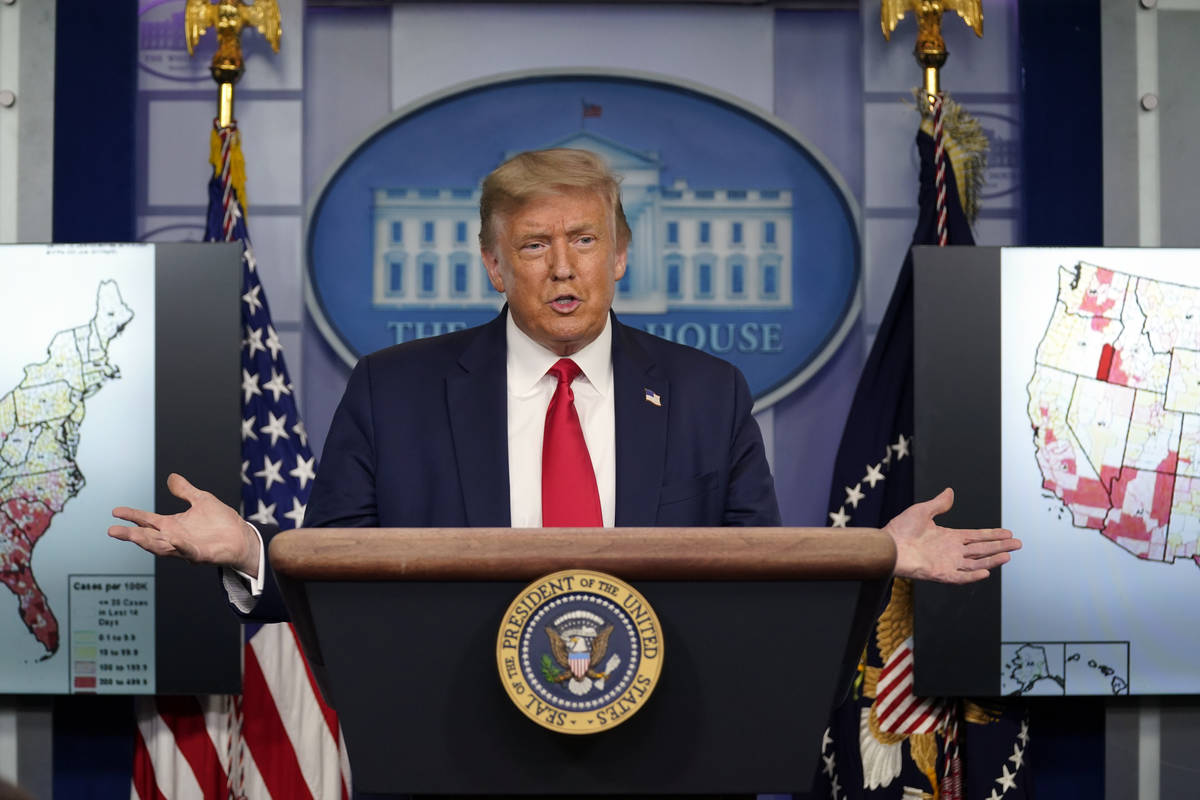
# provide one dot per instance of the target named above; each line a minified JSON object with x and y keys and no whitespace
{"x":1115,"y":407}
{"x":40,"y":421}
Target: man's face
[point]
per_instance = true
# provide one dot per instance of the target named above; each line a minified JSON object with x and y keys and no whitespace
{"x":557,"y":261}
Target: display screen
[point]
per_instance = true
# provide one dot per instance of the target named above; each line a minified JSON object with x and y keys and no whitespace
{"x":115,"y":370}
{"x":1087,"y":393}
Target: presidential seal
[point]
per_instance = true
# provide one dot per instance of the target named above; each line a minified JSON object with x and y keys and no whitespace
{"x":579,"y":651}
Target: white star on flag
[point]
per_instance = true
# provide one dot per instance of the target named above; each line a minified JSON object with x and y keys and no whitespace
{"x":248,"y":429}
{"x":245,"y":466}
{"x":253,"y":340}
{"x":250,"y":298}
{"x":276,"y":385}
{"x":270,"y":472}
{"x":1018,"y":756}
{"x":1007,"y":780}
{"x":274,"y":427}
{"x":854,"y":495}
{"x":301,"y":434}
{"x":273,"y":343}
{"x":296,"y":515}
{"x":873,"y":475}
{"x":839,"y":518}
{"x":901,"y":447}
{"x":303,"y":471}
{"x":249,"y":386}
{"x":265,"y":514}
{"x":1024,"y":734}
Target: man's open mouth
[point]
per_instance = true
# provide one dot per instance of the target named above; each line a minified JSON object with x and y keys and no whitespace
{"x":565,"y":302}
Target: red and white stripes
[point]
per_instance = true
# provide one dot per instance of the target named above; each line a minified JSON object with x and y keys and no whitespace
{"x":897,"y":709}
{"x":290,"y":745}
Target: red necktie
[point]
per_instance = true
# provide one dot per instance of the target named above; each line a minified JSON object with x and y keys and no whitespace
{"x":569,"y":495}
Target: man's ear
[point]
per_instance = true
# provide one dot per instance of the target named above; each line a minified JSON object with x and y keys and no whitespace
{"x":492,"y":264}
{"x":621,"y":261}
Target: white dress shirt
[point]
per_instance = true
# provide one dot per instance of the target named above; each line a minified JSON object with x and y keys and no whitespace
{"x":529,"y":393}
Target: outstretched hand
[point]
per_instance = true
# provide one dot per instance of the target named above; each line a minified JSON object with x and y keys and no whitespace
{"x":927,"y":551}
{"x":209,"y":532}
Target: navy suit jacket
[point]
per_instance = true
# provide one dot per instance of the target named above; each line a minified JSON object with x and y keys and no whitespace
{"x":420,"y":439}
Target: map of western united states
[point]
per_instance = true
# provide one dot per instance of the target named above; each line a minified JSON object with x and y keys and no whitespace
{"x":1115,"y":406}
{"x":40,"y":423}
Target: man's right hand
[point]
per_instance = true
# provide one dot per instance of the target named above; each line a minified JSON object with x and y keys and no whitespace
{"x":209,"y":532}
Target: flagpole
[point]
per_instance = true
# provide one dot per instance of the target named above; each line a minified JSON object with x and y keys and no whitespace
{"x":229,"y":19}
{"x":250,"y":745}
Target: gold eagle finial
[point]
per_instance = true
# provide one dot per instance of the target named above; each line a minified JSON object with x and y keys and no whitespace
{"x":892,"y":11}
{"x":930,"y":49}
{"x":229,"y":17}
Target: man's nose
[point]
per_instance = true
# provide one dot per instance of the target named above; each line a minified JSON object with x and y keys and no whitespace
{"x":562,"y":264}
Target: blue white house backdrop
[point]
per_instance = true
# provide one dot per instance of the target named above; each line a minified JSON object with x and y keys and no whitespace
{"x":744,"y":243}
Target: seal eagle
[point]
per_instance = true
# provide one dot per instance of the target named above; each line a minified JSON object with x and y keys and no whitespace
{"x":574,"y":655}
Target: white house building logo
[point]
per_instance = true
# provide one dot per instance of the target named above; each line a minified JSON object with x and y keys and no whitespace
{"x":713,"y":261}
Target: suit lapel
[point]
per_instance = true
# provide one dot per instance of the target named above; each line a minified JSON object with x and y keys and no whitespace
{"x":478,"y":410}
{"x":641,"y":430}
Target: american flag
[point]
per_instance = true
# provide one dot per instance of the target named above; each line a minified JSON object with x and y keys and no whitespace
{"x":884,"y":742}
{"x":278,"y":739}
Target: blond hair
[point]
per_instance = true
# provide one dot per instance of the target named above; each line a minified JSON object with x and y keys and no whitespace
{"x":536,"y":173}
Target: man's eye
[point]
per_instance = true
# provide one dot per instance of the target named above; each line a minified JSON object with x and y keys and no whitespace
{"x":532,"y":246}
{"x":586,"y":239}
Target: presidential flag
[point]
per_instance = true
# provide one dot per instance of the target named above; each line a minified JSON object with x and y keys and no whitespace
{"x":884,"y":741}
{"x":278,"y":739}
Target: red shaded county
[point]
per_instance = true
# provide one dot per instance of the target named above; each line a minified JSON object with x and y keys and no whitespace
{"x":1088,"y":493}
{"x":1104,"y":278}
{"x":1106,"y":357}
{"x":23,"y":520}
{"x":1116,"y":370}
{"x":1132,"y":525}
{"x":1100,"y":323}
{"x":1049,"y":434}
{"x":1170,"y":463}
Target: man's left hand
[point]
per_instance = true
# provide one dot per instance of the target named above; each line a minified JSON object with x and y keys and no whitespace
{"x":927,"y":551}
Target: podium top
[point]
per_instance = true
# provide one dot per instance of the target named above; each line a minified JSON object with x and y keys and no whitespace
{"x":487,"y":554}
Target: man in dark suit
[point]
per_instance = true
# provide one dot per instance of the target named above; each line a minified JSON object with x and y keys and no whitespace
{"x":456,"y":430}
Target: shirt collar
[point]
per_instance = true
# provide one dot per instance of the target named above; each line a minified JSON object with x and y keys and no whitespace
{"x":529,"y":361}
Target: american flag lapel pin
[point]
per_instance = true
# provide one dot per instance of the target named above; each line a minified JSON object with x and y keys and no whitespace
{"x":653,"y":398}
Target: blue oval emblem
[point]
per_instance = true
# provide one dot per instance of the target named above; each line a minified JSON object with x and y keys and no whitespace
{"x":745,"y":241}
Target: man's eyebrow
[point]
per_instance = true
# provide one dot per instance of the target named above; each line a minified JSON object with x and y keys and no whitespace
{"x":530,"y":232}
{"x":584,"y":227}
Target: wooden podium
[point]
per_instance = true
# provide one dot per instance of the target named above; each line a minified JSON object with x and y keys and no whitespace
{"x":762,"y":628}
